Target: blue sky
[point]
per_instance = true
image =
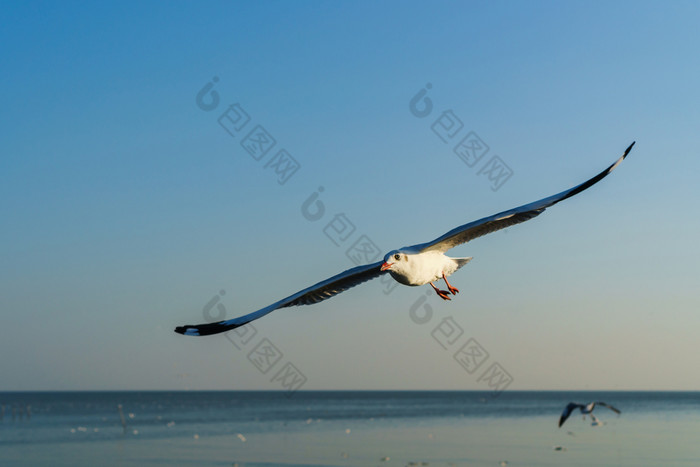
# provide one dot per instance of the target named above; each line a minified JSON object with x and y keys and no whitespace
{"x":127,"y":207}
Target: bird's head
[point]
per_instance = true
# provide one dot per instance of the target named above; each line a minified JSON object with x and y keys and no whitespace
{"x":395,"y":261}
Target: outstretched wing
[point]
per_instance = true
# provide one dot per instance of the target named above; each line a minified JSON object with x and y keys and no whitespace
{"x":567,"y":411}
{"x":603,"y":404}
{"x":314,"y":294}
{"x":472,"y":230}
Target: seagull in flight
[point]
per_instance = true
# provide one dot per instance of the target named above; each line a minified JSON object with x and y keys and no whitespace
{"x":585,"y":409}
{"x":414,"y":265}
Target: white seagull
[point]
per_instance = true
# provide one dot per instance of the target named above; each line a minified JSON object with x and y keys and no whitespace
{"x":585,"y":409}
{"x":413,"y":265}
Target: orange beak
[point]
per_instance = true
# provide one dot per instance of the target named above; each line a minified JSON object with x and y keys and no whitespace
{"x":386,"y":266}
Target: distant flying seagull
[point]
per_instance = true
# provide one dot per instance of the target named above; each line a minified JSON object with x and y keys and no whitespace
{"x":414,"y":265}
{"x":585,"y":409}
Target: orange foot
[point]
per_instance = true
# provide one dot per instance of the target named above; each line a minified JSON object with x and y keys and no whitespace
{"x":441,"y":293}
{"x":453,"y":290}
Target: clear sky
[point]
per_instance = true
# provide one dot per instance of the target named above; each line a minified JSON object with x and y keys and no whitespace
{"x":130,"y":196}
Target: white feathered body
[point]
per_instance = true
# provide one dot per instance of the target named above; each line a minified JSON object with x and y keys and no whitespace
{"x":425,"y":267}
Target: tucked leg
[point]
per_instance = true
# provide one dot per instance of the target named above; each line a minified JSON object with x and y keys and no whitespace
{"x":441,"y":293}
{"x":453,"y":290}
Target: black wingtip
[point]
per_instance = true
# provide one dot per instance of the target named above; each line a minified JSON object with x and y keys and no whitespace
{"x":629,"y":148}
{"x":188,"y":330}
{"x":208,"y":329}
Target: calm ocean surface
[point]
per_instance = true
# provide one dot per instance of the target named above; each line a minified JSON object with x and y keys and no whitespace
{"x":338,"y":428}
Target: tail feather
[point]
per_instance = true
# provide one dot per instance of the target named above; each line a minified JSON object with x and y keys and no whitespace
{"x":462,"y":261}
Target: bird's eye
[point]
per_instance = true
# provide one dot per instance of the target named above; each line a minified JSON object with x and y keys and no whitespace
{"x":397,"y":257}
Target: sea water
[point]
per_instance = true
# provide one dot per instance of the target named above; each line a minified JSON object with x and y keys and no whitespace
{"x":262,"y":428}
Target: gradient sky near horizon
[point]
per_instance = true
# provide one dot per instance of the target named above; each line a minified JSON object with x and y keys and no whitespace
{"x":127,"y":208}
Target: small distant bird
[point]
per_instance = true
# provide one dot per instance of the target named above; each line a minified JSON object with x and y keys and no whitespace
{"x":585,"y":409}
{"x":415,"y":265}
